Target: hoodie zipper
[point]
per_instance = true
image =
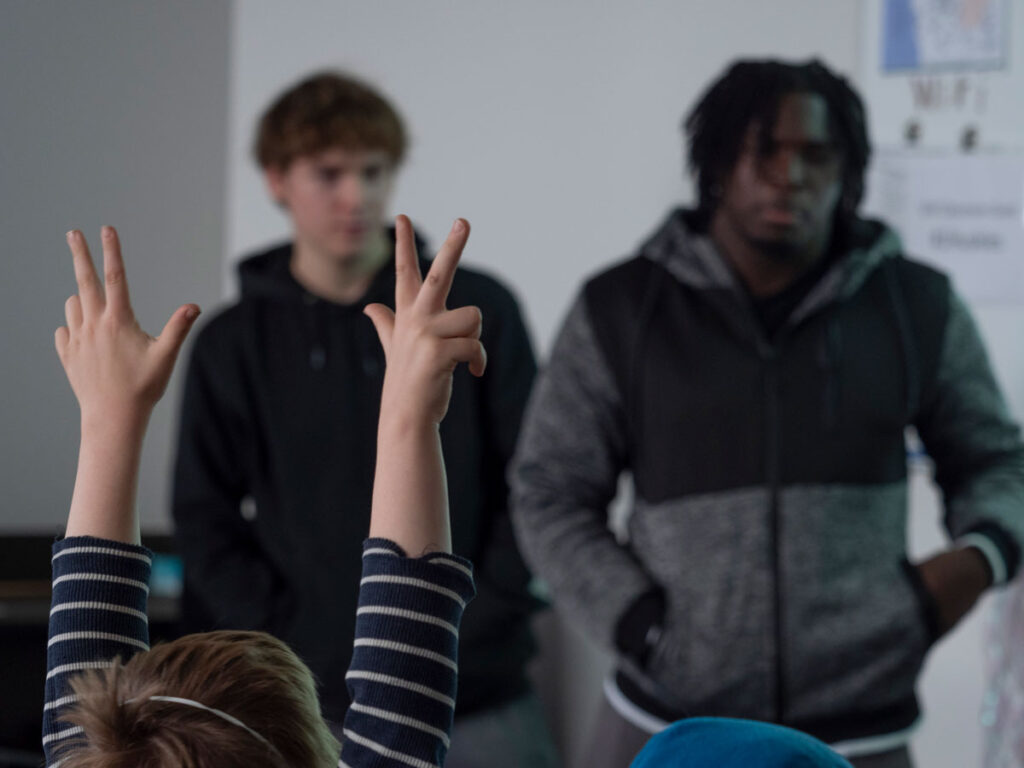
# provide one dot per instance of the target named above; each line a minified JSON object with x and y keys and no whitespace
{"x":769,"y":357}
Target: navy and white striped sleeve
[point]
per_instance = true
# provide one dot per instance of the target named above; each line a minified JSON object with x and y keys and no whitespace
{"x":98,"y":611}
{"x":404,"y":666}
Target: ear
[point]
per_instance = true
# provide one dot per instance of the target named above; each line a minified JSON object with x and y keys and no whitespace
{"x":274,"y":176}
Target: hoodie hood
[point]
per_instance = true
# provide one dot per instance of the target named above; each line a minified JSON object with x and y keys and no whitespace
{"x":268,"y":274}
{"x":692,"y":258}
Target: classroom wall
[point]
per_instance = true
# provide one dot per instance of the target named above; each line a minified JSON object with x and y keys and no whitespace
{"x":114,"y":112}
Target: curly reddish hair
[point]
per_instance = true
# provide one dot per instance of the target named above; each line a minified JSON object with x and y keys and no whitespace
{"x":324,"y":111}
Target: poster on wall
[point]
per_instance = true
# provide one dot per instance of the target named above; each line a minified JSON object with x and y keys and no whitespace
{"x":944,"y":74}
{"x":951,"y":35}
{"x":962,"y":213}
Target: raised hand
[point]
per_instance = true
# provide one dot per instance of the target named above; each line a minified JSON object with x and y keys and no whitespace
{"x":423,"y":342}
{"x":118,"y":373}
{"x":116,"y":370}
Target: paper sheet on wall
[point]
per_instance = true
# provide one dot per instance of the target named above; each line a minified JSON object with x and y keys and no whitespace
{"x":962,"y":213}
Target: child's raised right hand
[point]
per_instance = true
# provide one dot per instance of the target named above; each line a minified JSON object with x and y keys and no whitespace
{"x":117,"y":372}
{"x":423,"y":340}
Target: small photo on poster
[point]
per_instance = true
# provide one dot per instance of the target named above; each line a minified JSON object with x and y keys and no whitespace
{"x":944,"y":35}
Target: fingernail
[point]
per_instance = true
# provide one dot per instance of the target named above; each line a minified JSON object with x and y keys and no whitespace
{"x":106,"y":231}
{"x":71,"y":233}
{"x":192,"y":313}
{"x":458,"y":226}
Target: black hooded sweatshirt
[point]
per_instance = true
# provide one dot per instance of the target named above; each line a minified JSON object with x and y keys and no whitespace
{"x":275,"y":465}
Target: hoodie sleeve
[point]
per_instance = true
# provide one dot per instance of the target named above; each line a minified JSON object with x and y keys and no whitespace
{"x":976,"y":446}
{"x":565,"y":475}
{"x":229,"y":581}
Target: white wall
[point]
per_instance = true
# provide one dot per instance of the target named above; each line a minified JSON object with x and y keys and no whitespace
{"x":114,"y":112}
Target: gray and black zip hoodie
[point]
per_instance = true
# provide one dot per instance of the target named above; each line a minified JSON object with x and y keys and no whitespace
{"x":275,"y":464}
{"x":770,"y":478}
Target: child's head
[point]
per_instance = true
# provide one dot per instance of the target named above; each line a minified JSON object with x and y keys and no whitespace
{"x":155,"y":709}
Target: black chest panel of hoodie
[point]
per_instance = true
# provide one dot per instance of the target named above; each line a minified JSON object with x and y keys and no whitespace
{"x":711,"y":405}
{"x":316,"y":381}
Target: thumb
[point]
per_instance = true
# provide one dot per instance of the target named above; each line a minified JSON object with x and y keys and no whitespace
{"x":383,"y":320}
{"x":173,"y":335}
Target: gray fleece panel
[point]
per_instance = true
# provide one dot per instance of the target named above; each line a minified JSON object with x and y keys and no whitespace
{"x":854,"y":631}
{"x":570,"y":455}
{"x":712,"y":553}
{"x":855,"y":635}
{"x":968,"y":420}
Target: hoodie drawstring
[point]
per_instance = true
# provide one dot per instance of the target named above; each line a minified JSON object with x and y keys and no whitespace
{"x":316,"y":325}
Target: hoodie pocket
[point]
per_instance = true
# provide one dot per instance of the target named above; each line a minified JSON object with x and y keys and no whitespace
{"x":857,"y":644}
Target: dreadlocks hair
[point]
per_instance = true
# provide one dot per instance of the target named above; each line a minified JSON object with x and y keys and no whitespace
{"x":750,"y":92}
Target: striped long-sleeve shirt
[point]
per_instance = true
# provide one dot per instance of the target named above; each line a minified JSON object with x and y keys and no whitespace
{"x":403,"y":672}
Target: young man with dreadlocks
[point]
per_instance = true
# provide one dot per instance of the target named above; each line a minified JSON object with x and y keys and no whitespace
{"x":755,"y":367}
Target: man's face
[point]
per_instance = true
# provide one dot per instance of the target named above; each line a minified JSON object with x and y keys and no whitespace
{"x":337,"y":199}
{"x":782,"y":193}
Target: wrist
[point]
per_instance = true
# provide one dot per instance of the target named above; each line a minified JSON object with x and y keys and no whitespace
{"x":402,"y":425}
{"x":974,"y":567}
{"x":126,"y":428}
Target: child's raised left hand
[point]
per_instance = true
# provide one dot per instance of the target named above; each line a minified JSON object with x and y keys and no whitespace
{"x":117,"y":371}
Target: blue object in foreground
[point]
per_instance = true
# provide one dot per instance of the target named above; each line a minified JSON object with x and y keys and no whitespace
{"x":710,"y":742}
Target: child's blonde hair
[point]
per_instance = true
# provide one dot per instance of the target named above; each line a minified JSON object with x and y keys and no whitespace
{"x":130,"y":717}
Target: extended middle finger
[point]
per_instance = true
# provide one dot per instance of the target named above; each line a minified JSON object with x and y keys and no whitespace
{"x":439,"y":279}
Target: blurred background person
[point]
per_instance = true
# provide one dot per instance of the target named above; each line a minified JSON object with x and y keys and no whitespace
{"x":276,"y":448}
{"x":755,"y":366}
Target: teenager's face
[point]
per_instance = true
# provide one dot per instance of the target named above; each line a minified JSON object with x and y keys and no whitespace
{"x":337,"y":199}
{"x":781,"y":195}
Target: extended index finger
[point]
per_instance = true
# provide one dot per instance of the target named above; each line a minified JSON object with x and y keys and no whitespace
{"x":113,"y":272}
{"x":85,"y":274}
{"x":407,"y":265}
{"x":439,"y":279}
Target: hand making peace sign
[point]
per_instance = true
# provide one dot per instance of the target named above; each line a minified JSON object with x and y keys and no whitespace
{"x":423,"y":340}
